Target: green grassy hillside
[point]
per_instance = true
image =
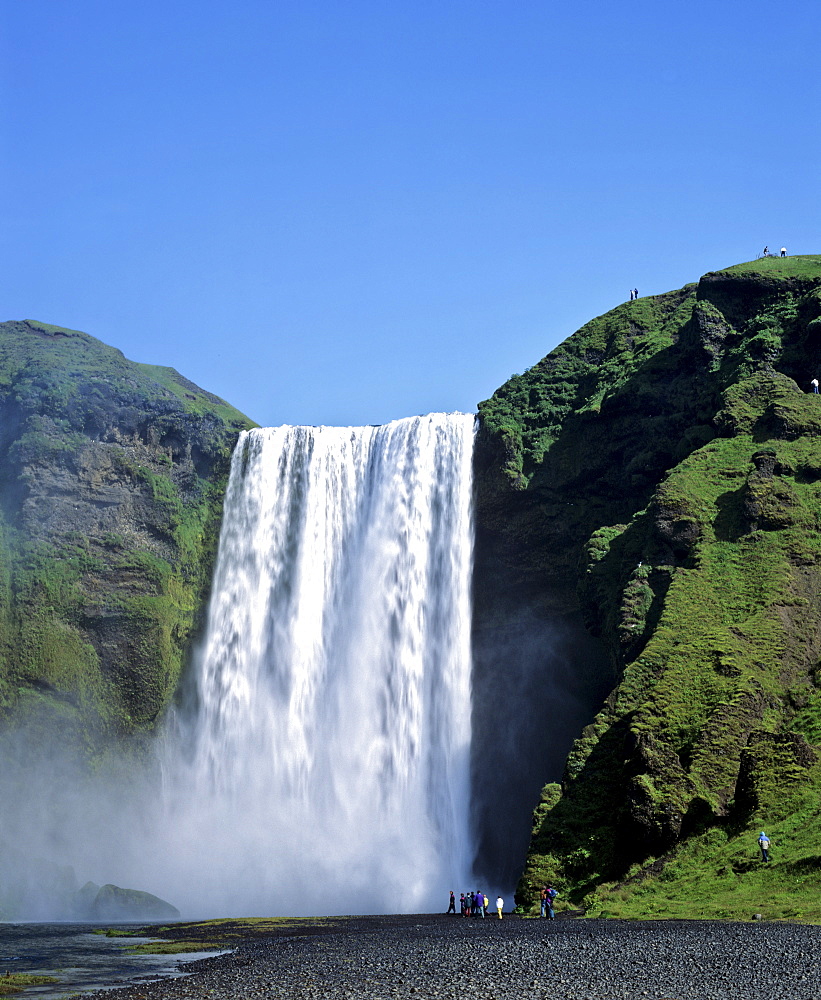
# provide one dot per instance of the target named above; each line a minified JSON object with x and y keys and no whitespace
{"x":662,"y":470}
{"x":111,"y":483}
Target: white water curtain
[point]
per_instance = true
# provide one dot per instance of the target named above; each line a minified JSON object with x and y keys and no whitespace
{"x":328,"y":762}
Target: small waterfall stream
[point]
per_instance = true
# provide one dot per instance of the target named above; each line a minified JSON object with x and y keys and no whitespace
{"x":327,"y":766}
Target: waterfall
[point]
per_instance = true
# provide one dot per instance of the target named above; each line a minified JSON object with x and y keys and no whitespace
{"x":327,"y":764}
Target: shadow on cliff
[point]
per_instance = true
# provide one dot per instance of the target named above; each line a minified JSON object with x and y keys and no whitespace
{"x":583,"y":827}
{"x":538,"y":678}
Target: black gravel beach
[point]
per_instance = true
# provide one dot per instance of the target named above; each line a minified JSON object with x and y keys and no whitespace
{"x":363,"y":958}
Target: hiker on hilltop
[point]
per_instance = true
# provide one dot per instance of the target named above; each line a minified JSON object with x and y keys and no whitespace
{"x":814,"y":385}
{"x":764,"y":844}
{"x":783,"y":251}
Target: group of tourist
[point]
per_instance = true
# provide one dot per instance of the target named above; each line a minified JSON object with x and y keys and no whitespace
{"x":546,"y":896}
{"x":474,"y":904}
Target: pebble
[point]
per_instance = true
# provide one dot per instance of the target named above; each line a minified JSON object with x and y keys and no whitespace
{"x":439,"y":956}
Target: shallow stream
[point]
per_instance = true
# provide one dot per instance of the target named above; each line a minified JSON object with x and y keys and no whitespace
{"x":80,"y":960}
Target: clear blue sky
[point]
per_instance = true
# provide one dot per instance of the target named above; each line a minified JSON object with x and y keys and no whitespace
{"x":347,"y":212}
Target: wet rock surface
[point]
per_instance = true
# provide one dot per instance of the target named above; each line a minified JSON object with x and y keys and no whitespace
{"x":444,"y":957}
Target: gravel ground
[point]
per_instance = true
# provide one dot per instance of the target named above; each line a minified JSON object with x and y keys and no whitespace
{"x":449,"y":957}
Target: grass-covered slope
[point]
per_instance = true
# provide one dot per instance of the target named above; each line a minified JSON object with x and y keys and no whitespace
{"x":662,"y":468}
{"x":111,"y":482}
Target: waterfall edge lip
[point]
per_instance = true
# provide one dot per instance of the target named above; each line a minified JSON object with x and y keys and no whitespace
{"x":396,"y":420}
{"x":334,"y":682}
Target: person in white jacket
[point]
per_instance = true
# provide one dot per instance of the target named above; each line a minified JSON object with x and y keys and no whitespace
{"x":500,"y":905}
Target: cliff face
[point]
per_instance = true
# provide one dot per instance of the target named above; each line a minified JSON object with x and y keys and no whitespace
{"x":659,"y":474}
{"x":111,"y":482}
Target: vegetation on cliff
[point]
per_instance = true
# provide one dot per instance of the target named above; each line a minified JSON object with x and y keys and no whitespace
{"x":662,"y":470}
{"x":111,"y":482}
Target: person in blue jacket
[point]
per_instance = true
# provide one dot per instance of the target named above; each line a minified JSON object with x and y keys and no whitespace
{"x":551,"y":894}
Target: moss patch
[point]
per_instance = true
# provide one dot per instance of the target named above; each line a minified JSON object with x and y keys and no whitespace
{"x":17,"y":981}
{"x":205,"y":935}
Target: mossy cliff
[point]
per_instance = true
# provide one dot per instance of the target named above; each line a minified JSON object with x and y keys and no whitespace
{"x":660,"y":473}
{"x":111,"y":482}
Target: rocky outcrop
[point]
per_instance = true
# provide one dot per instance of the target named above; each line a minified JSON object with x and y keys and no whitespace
{"x":111,"y":480}
{"x":35,"y":889}
{"x":111,"y":903}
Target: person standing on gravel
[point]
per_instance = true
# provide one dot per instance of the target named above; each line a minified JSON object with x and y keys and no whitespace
{"x":764,"y":844}
{"x":500,"y":905}
{"x":551,"y":894}
{"x":452,"y":904}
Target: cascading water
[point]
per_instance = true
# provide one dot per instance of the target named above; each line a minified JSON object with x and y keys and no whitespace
{"x":328,"y":750}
